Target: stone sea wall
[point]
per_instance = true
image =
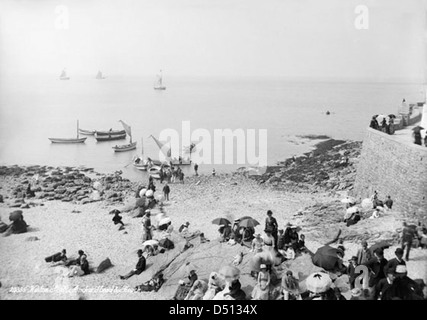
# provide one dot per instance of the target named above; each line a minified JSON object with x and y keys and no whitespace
{"x":393,"y":168}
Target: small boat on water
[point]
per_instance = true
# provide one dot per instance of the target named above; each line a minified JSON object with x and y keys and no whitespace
{"x":109,"y":132}
{"x":87,"y":132}
{"x":64,"y":76}
{"x":126,"y":147}
{"x":159,"y":85}
{"x":69,"y":140}
{"x":99,"y":76}
{"x":110,"y":137}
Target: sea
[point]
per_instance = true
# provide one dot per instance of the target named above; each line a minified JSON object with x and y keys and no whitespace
{"x":35,"y":108}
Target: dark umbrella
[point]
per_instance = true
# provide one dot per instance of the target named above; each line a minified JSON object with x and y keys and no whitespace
{"x":245,"y":217}
{"x":222,"y":221}
{"x":417,"y":129}
{"x":391,"y":116}
{"x":248,"y":223}
{"x":380,"y":245}
{"x":326,"y":257}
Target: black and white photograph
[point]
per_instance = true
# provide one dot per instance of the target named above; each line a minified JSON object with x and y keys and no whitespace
{"x":213,"y":150}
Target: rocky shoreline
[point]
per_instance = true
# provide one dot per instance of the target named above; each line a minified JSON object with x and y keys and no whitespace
{"x":331,"y":166}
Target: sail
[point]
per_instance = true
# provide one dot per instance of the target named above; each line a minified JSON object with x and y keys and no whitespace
{"x":127,"y":128}
{"x":99,"y":75}
{"x":63,"y":74}
{"x":161,"y":145}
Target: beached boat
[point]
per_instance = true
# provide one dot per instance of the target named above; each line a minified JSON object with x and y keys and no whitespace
{"x":87,"y":132}
{"x":126,"y":147}
{"x":155,"y":172}
{"x":109,"y":132}
{"x":99,"y":76}
{"x":69,"y":140}
{"x":167,"y":152}
{"x":159,"y":85}
{"x":64,"y":76}
{"x":110,"y":137}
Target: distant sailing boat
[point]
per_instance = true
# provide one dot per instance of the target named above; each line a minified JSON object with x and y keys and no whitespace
{"x":126,"y":147}
{"x":159,"y":85}
{"x":63,"y":76}
{"x":99,"y":76}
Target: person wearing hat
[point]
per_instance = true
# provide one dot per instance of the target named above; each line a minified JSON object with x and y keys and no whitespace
{"x":364,"y":254}
{"x":287,"y":235}
{"x":268,"y":238}
{"x":393,"y":263}
{"x":183,"y":226}
{"x":271,"y":223}
{"x":139,"y":268}
{"x":166,"y":191}
{"x":117,"y":219}
{"x":376,"y":266}
{"x":235,"y":231}
{"x":405,"y":288}
{"x":290,"y":287}
{"x":382,"y":289}
{"x":257,"y":243}
{"x":351,"y":271}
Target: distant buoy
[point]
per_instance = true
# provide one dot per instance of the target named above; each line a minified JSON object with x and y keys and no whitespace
{"x":328,"y":113}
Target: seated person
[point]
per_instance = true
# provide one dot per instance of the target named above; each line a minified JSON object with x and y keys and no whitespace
{"x":153,"y":284}
{"x":117,"y":219}
{"x":58,"y":257}
{"x":139,"y":268}
{"x":81,"y":269}
{"x":203,"y":239}
{"x":301,"y":244}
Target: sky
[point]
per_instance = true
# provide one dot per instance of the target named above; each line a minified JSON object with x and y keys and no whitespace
{"x":234,"y":38}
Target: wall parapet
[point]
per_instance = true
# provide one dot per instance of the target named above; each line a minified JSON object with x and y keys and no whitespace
{"x":394,"y":168}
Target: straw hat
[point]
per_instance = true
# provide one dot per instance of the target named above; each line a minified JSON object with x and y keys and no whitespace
{"x":262,"y":266}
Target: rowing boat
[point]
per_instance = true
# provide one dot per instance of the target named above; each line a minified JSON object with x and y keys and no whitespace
{"x":125,"y":147}
{"x":110,"y":137}
{"x":110,"y":132}
{"x":69,"y":140}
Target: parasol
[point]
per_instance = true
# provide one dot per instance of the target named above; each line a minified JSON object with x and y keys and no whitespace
{"x":380,"y":245}
{"x":220,"y":221}
{"x":318,"y":282}
{"x":164,"y":221}
{"x":149,"y":193}
{"x":417,"y":129}
{"x":151,"y":242}
{"x":248,"y":223}
{"x":142,"y":192}
{"x":229,"y":273}
{"x":326,"y":257}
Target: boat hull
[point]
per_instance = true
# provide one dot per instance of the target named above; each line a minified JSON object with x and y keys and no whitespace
{"x":126,"y":147}
{"x":110,"y":138}
{"x":181,"y":163}
{"x":71,"y":140}
{"x":64,"y":78}
{"x":107,"y":133}
{"x":159,"y":88}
